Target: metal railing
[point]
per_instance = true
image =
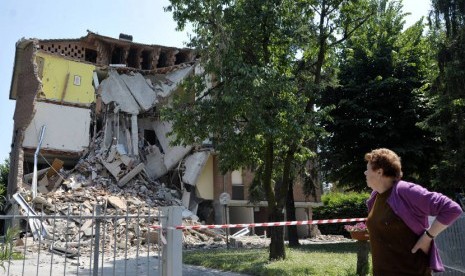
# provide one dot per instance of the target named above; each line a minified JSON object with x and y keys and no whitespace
{"x":451,"y":246}
{"x":81,"y":244}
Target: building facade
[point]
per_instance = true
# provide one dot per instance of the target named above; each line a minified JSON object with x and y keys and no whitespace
{"x":98,"y":98}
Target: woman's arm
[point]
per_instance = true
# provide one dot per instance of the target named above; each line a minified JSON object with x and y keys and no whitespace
{"x":424,"y":242}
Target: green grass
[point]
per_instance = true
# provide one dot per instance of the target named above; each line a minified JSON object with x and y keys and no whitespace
{"x":315,"y":259}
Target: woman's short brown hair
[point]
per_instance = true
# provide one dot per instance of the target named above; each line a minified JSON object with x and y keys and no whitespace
{"x":387,"y":160}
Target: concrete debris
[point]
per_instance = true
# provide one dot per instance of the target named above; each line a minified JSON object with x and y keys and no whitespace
{"x":113,"y":89}
{"x":117,"y":202}
{"x":55,"y":168}
{"x":28,"y":177}
{"x":155,"y":165}
{"x":166,"y":84}
{"x":122,"y":170}
{"x":131,"y":174}
{"x":140,"y":90}
{"x":117,"y":182}
{"x":172,"y":154}
{"x":194,"y":165}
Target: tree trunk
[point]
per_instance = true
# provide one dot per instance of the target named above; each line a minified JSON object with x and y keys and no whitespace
{"x":287,"y":190}
{"x":277,"y":250}
{"x":275,"y":209}
{"x":290,"y":212}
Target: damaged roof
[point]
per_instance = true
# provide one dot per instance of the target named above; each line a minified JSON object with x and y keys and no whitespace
{"x":135,"y":94}
{"x":104,"y":52}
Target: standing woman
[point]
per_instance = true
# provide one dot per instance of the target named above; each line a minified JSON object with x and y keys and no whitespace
{"x":402,"y":242}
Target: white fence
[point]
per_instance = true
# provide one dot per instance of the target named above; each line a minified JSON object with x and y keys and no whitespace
{"x":95,"y":244}
{"x":124,"y":244}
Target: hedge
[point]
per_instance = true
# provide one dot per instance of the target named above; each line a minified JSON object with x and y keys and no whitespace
{"x":340,"y":205}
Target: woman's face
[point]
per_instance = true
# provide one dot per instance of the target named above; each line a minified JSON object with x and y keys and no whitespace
{"x":372,"y":176}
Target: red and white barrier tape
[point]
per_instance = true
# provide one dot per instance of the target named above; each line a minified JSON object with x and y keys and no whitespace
{"x":264,"y":224}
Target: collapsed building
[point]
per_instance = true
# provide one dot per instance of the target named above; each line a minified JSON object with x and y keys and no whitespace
{"x":89,"y":108}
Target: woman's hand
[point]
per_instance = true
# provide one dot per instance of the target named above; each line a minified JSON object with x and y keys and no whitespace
{"x":423,"y":243}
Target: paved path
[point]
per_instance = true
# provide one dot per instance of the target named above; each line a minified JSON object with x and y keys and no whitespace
{"x":58,"y":266}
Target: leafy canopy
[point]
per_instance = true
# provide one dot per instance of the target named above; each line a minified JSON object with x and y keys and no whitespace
{"x":380,"y":100}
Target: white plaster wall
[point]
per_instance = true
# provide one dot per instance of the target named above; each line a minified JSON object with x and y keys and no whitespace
{"x":67,"y":128}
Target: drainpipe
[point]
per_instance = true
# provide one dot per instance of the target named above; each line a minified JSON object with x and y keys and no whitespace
{"x":34,"y":175}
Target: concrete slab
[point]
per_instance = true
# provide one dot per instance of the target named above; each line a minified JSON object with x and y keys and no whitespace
{"x":114,"y":89}
{"x":194,"y":164}
{"x":140,"y":90}
{"x":172,"y":154}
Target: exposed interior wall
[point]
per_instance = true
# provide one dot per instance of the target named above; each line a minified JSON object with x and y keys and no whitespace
{"x":204,"y":185}
{"x":67,"y":128}
{"x":64,"y":80}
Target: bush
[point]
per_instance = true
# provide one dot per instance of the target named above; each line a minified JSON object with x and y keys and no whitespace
{"x":6,"y":247}
{"x":4,"y":169}
{"x":340,"y":205}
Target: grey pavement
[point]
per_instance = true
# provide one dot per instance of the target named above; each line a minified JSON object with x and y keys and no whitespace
{"x":57,"y":265}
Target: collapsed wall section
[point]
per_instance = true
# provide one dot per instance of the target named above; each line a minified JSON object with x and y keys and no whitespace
{"x":26,"y":85}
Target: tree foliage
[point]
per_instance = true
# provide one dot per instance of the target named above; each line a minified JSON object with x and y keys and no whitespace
{"x":448,"y":94}
{"x":260,"y":108}
{"x":4,"y":170}
{"x":252,"y":107}
{"x":380,"y":99}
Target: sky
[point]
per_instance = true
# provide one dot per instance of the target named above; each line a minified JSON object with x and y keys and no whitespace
{"x":145,"y":20}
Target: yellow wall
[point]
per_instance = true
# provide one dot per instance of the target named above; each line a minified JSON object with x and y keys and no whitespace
{"x":204,"y":185}
{"x":58,"y":74}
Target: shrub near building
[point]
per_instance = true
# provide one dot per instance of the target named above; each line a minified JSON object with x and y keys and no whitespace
{"x":4,"y":170}
{"x":340,"y":205}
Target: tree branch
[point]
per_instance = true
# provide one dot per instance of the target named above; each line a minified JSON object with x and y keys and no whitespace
{"x":347,"y":34}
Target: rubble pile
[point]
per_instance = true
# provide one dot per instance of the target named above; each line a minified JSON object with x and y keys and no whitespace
{"x":129,"y":203}
{"x":97,"y":180}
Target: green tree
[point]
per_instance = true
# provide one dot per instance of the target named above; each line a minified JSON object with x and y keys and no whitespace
{"x":448,"y":120}
{"x":333,"y":23}
{"x":381,"y":99}
{"x":4,"y":170}
{"x":260,"y":106}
